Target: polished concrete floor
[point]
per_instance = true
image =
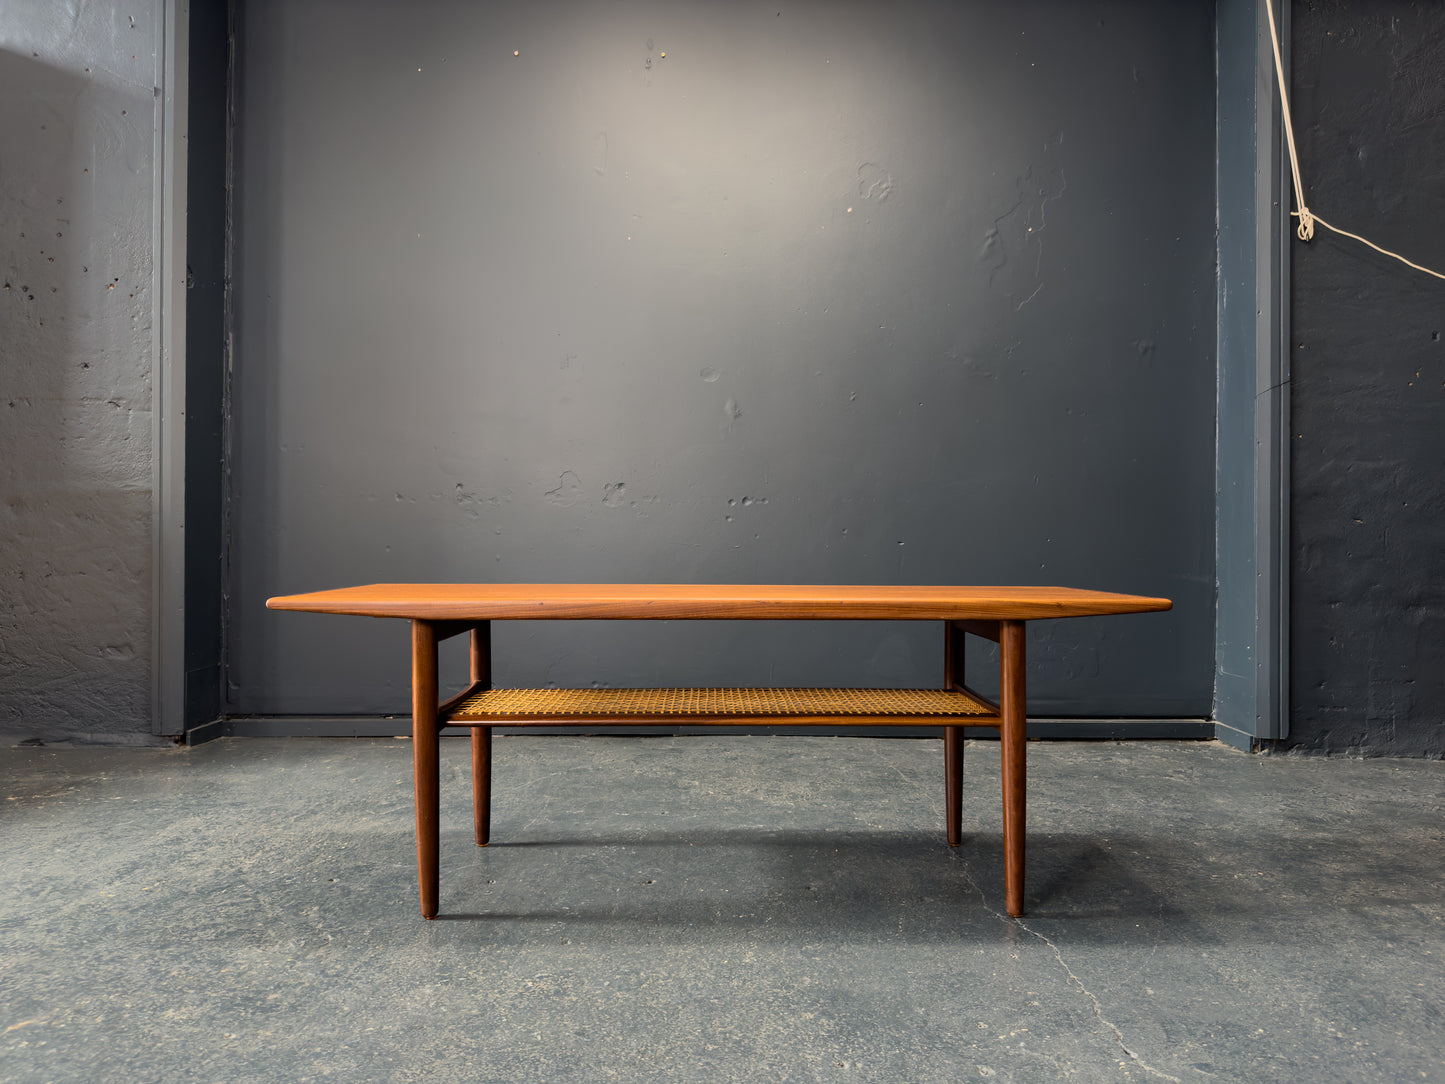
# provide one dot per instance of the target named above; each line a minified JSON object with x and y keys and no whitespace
{"x":718,"y":909}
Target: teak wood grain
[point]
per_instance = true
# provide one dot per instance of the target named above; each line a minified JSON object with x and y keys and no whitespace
{"x":672,"y":601}
{"x":439,"y":611}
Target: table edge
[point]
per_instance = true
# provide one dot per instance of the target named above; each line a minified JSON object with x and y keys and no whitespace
{"x":853,"y":602}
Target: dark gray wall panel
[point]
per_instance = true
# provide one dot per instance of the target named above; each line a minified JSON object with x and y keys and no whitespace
{"x":206,"y":239}
{"x":829,"y":293}
{"x":1369,"y":384}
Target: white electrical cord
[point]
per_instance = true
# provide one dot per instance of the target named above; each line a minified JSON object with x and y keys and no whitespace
{"x":1308,"y":218}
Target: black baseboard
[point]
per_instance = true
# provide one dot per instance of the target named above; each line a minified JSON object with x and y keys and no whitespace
{"x":199,"y":735}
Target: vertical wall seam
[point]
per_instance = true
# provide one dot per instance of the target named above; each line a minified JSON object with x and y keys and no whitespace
{"x":168,"y":375}
{"x":1219,"y":332}
{"x":1283,"y":446}
{"x":228,"y":349}
{"x":160,"y":476}
{"x":1273,"y":421}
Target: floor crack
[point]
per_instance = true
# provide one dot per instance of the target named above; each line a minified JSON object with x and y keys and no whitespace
{"x":1025,"y":301}
{"x":1059,"y":956}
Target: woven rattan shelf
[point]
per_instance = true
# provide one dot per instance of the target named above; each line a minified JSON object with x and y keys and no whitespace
{"x":705,"y":705}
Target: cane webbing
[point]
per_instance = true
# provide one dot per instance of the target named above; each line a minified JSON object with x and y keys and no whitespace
{"x":727,"y":703}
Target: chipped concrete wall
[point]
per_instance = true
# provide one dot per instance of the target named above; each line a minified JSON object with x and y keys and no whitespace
{"x":820,"y":292}
{"x":1368,"y":620}
{"x":77,"y":120}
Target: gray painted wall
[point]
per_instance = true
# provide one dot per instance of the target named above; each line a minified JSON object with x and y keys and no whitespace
{"x":76,"y":95}
{"x":830,"y":292}
{"x":77,"y":122}
{"x":1369,"y":383}
{"x":1252,"y":420}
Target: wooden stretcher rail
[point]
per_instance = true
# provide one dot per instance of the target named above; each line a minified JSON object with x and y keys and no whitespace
{"x":440,"y":611}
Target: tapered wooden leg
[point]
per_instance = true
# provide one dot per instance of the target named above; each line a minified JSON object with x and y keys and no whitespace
{"x":953,"y":737}
{"x":424,"y":752}
{"x":953,"y":782}
{"x":482,"y":783}
{"x":1014,"y":750}
{"x":481,"y":655}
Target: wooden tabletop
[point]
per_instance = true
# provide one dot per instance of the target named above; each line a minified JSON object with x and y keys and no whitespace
{"x":540,"y":601}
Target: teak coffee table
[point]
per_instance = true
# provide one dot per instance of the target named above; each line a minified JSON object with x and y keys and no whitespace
{"x":438,"y":611}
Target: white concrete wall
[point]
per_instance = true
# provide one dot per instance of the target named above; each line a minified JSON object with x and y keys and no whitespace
{"x":78,"y":112}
